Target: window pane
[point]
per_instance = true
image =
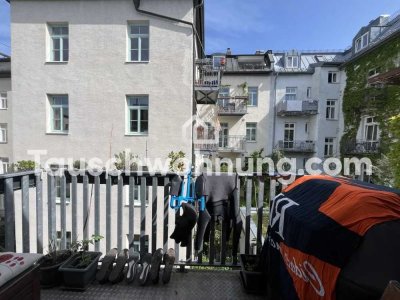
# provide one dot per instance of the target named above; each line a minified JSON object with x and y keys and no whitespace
{"x":134,"y":43}
{"x":134,"y":126}
{"x":56,"y":30}
{"x":135,"y":29}
{"x":65,"y":118}
{"x":145,"y":55}
{"x":64,"y":30}
{"x":65,"y":43}
{"x":145,"y":43}
{"x":134,"y":115}
{"x":144,"y":29}
{"x":144,"y":114}
{"x":65,"y":55}
{"x":134,"y":55}
{"x":56,"y":43}
{"x":56,"y":55}
{"x":144,"y":126}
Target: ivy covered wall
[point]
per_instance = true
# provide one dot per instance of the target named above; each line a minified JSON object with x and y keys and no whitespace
{"x":382,"y":102}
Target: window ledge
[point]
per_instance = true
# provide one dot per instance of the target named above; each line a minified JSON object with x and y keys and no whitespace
{"x":4,"y":142}
{"x":137,"y":62}
{"x":136,"y":134}
{"x":57,"y":133}
{"x":56,"y":62}
{"x":332,"y":119}
{"x":3,"y":108}
{"x":136,"y":205}
{"x":333,"y":82}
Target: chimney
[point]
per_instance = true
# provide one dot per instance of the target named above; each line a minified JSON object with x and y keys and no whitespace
{"x":228,"y":51}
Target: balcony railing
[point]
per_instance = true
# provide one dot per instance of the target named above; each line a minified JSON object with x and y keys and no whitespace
{"x":207,"y":81}
{"x":232,"y":143}
{"x":232,"y":106}
{"x":297,"y":107}
{"x":296,"y":146}
{"x":95,"y":204}
{"x":362,"y":147}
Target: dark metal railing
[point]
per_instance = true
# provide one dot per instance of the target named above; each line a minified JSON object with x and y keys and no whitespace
{"x":233,"y":143}
{"x":296,"y":146}
{"x":25,"y":189}
{"x":232,"y":105}
{"x":361,"y":147}
{"x":297,"y":107}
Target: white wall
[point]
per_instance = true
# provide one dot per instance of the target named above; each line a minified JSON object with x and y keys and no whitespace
{"x":5,"y":118}
{"x":97,"y":78}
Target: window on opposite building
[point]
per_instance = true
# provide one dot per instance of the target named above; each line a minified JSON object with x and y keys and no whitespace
{"x":3,"y":100}
{"x":331,"y":109}
{"x":68,"y":239}
{"x":138,"y":114}
{"x":288,"y":135}
{"x":59,"y":113}
{"x":371,"y":129}
{"x":59,"y":42}
{"x":362,"y":42}
{"x":251,"y":132}
{"x":57,"y":183}
{"x":328,"y":149}
{"x":3,"y":133}
{"x":253,"y":96}
{"x":291,"y":93}
{"x":4,"y":161}
{"x":333,"y":77}
{"x":135,"y":244}
{"x":136,"y":194}
{"x":139,"y":43}
{"x":309,"y":93}
{"x":292,"y":61}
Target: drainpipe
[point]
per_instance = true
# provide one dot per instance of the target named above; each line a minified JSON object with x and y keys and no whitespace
{"x":275,"y":110}
{"x":136,"y":3}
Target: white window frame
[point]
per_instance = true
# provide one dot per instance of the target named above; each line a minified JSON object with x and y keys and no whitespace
{"x":375,"y":129}
{"x":4,"y":162}
{"x":4,"y":133}
{"x":251,"y":132}
{"x":61,"y":38}
{"x":253,"y":96}
{"x":361,"y":42}
{"x":139,"y":108}
{"x":329,"y":146}
{"x":309,"y":95}
{"x":290,"y":127}
{"x":136,"y":195}
{"x":374,"y":72}
{"x":333,"y":77}
{"x":3,"y":100}
{"x":291,"y":93}
{"x":62,"y":107}
{"x":330,"y":113}
{"x":292,"y":61}
{"x":139,"y":36}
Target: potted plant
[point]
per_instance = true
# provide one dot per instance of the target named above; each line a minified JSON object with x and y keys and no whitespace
{"x":80,"y":269}
{"x":250,"y":274}
{"x":49,"y":275}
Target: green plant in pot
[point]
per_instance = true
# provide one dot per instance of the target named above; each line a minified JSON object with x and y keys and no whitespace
{"x":49,"y":274}
{"x":80,"y":269}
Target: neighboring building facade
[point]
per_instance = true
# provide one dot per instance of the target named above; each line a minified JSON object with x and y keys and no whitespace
{"x":307,"y":97}
{"x":5,"y":114}
{"x":371,"y":98}
{"x":92,"y":78}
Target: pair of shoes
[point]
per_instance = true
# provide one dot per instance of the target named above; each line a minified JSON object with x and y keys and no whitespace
{"x":169,"y":260}
{"x":109,"y":272}
{"x":144,"y":271}
{"x":133,"y":265}
{"x":156,"y":264}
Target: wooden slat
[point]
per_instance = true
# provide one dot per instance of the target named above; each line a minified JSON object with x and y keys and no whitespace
{"x":119,"y":213}
{"x":154,"y":216}
{"x":25,"y":214}
{"x":74,"y":208}
{"x":131,"y":210}
{"x":9,"y":214}
{"x":260,"y":205}
{"x":142,"y":215}
{"x":97,"y":210}
{"x":39,"y":214}
{"x":85,"y":207}
{"x":51,"y":207}
{"x":211,"y":250}
{"x":237,"y":191}
{"x":223,"y":241}
{"x":249,"y":186}
{"x":108,"y":213}
{"x":63,"y":200}
{"x":166,"y":213}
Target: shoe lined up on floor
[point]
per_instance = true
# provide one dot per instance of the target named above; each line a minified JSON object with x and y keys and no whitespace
{"x":145,"y":268}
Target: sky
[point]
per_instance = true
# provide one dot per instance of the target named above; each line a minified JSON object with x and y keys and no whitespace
{"x":249,"y":25}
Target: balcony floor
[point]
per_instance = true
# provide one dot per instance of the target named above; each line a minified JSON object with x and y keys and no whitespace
{"x":195,"y":284}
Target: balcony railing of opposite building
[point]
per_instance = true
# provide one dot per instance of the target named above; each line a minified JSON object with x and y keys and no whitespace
{"x":296,"y":146}
{"x":362,"y":147}
{"x":30,"y":207}
{"x":232,"y":105}
{"x":232,"y":143}
{"x":206,"y":74}
{"x":297,"y":107}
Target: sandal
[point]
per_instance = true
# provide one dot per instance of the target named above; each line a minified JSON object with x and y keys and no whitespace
{"x":155,"y":265}
{"x":144,"y":272}
{"x":106,"y":266}
{"x":116,"y":274}
{"x":133,"y":265}
{"x":169,"y":260}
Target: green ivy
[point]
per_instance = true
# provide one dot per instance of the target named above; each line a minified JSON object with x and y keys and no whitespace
{"x":383,"y":102}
